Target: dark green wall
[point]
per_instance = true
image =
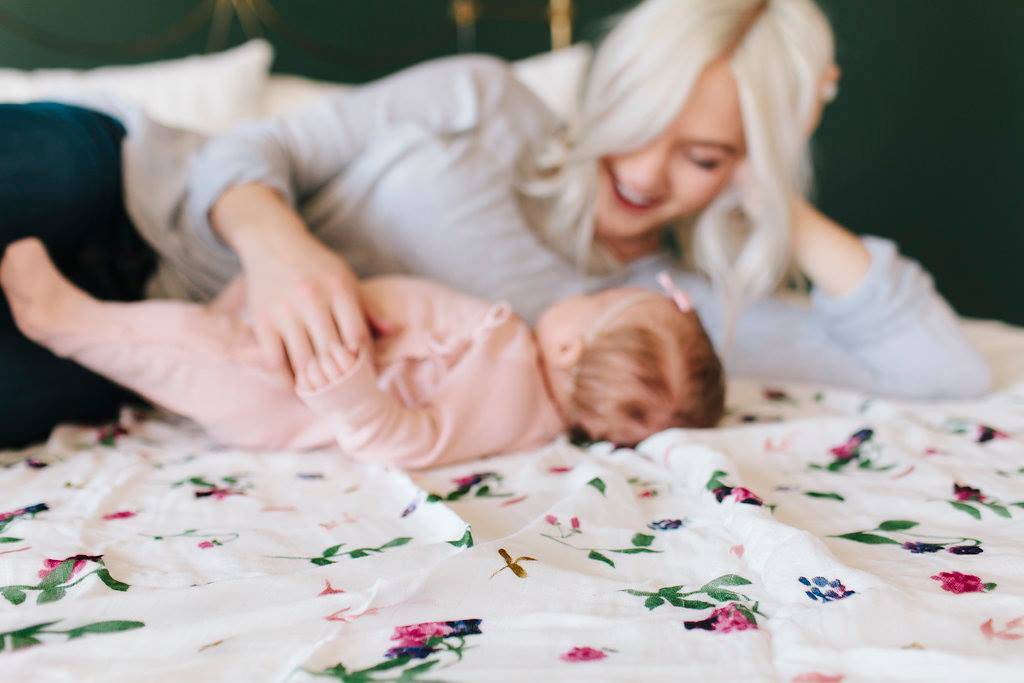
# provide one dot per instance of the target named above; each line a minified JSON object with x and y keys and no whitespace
{"x":925,"y":143}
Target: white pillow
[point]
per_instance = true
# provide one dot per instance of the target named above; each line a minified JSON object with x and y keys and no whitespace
{"x":556,"y":77}
{"x":207,"y":93}
{"x":285,"y":93}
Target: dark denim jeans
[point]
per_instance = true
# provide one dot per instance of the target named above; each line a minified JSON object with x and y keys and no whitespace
{"x":60,"y":181}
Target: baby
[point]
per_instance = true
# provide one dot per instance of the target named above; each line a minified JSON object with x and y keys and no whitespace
{"x":458,"y":378}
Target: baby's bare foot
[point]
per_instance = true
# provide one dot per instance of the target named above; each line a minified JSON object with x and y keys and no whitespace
{"x":43,"y":302}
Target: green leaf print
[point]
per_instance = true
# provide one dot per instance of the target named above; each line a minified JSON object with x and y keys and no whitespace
{"x":14,"y":595}
{"x":863,"y":537}
{"x":32,"y":635}
{"x":727,"y":580}
{"x":720,"y":595}
{"x":831,"y":495}
{"x":654,"y":601}
{"x":594,"y":555}
{"x":333,"y":550}
{"x":320,"y":561}
{"x":598,"y":484}
{"x":395,"y":542}
{"x":110,"y":581}
{"x":9,"y":539}
{"x":60,"y":574}
{"x":465,"y":542}
{"x":998,"y":509}
{"x":969,"y":509}
{"x":642,"y":540}
{"x":103,"y":627}
{"x":896,"y":525}
{"x":715,"y":481}
{"x":692,"y":604}
{"x":52,"y":594}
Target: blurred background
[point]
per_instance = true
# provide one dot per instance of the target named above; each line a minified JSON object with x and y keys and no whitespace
{"x":925,"y":143}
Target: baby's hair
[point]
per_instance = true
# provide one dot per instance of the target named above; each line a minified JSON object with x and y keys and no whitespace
{"x":621,"y":376}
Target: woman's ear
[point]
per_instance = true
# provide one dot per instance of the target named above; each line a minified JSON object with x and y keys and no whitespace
{"x":829,"y":87}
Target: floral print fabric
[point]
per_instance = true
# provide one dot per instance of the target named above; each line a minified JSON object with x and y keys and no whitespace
{"x":817,"y":535}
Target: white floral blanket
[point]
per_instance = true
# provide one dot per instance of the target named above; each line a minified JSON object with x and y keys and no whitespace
{"x":819,"y":536}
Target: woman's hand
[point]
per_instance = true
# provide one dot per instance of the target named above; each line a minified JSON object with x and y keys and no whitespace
{"x":304,"y":302}
{"x":303,"y":297}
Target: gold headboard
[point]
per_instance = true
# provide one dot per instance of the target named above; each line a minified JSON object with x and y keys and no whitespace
{"x":466,"y":13}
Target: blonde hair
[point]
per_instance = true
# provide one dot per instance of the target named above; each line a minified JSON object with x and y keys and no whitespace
{"x":638,"y":82}
{"x":621,"y":378}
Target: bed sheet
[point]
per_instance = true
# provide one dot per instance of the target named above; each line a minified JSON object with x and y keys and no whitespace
{"x":818,"y":536}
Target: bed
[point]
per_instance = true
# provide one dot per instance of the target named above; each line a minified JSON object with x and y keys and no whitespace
{"x":817,"y":536}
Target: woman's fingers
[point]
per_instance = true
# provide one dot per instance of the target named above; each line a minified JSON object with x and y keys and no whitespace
{"x":271,"y":346}
{"x":351,"y":323}
{"x":321,"y":328}
{"x":296,"y":342}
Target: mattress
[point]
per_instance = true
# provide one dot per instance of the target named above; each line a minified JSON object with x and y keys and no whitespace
{"x":817,"y":536}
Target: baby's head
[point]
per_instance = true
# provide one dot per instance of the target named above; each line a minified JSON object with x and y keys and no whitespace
{"x":626,"y":363}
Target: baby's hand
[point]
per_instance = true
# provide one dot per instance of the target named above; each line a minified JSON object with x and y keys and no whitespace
{"x":326,"y":369}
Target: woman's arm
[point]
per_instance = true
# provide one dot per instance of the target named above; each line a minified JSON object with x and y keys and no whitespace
{"x":303,"y":297}
{"x":244,"y":185}
{"x":833,"y":258}
{"x":887,"y":331}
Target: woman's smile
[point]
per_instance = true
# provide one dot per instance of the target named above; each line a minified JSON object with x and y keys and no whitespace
{"x":631,"y":199}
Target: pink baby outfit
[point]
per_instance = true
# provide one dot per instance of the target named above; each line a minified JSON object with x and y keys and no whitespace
{"x":460,"y":378}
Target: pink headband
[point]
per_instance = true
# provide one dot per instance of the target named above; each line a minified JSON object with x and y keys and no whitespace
{"x":677,"y":295}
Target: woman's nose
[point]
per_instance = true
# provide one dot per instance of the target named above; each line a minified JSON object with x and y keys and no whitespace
{"x":645,"y":171}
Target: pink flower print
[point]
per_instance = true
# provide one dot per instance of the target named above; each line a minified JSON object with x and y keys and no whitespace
{"x":120,"y":514}
{"x":728,"y":619}
{"x":745,"y":495}
{"x":206,"y":544}
{"x":724,"y":620}
{"x":582,"y":654}
{"x":815,"y":677}
{"x":851,"y":448}
{"x":416,"y":635}
{"x":967,"y":493}
{"x":471,"y":479}
{"x":559,"y":469}
{"x":771,"y":394}
{"x":108,"y":435}
{"x":50,"y":564}
{"x":648,"y":493}
{"x":551,"y":519}
{"x":986,"y":433}
{"x":329,"y":589}
{"x":1008,"y":633}
{"x":575,"y":522}
{"x":955,"y":582}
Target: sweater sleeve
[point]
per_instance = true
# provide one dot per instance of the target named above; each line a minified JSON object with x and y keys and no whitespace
{"x":299,"y":153}
{"x":893,"y":334}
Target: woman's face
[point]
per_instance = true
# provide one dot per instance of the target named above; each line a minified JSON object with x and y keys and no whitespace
{"x":678,"y":173}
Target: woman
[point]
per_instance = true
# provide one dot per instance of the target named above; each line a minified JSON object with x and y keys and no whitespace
{"x":695,"y":120}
